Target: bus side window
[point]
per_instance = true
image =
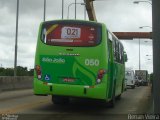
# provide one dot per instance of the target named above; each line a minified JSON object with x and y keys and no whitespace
{"x":114,"y":49}
{"x":122,"y":53}
{"x":117,"y":51}
{"x":109,"y":48}
{"x":109,"y":42}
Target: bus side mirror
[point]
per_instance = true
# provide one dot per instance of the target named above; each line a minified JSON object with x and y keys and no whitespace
{"x":125,"y":57}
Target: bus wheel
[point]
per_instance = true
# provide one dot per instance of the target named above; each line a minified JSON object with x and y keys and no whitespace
{"x":118,"y":97}
{"x":60,"y":100}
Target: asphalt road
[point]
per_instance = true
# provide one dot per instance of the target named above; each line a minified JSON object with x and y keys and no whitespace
{"x":24,"y":105}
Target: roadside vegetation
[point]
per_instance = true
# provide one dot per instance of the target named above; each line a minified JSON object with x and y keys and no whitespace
{"x":21,"y":71}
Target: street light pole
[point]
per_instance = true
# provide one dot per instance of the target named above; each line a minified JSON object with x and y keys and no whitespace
{"x":44,"y":17}
{"x":85,"y":10}
{"x":75,"y":8}
{"x":137,"y":2}
{"x":68,"y":10}
{"x":69,"y":7}
{"x":148,"y":55}
{"x":145,"y":26}
{"x":139,"y":55}
{"x":16,"y":40}
{"x":156,"y":58}
{"x":62,"y":8}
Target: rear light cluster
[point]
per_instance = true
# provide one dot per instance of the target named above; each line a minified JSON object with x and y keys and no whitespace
{"x":100,"y":75}
{"x":38,"y":71}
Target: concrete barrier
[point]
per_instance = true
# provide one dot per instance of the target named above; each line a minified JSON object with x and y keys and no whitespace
{"x":12,"y":83}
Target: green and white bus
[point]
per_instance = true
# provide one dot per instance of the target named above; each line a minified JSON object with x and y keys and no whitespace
{"x":76,"y":58}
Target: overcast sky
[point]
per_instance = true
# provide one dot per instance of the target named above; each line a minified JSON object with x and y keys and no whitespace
{"x":118,"y":15}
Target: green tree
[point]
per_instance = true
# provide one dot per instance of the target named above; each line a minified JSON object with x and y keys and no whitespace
{"x":8,"y":72}
{"x":31,"y":72}
{"x":22,"y":71}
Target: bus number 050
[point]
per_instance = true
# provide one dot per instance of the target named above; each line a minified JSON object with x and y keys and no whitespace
{"x":91,"y":62}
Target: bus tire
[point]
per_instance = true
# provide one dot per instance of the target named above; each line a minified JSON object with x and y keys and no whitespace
{"x":118,"y":97}
{"x":60,"y":100}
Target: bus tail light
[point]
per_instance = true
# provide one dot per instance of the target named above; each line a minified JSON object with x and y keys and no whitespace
{"x":100,"y":75}
{"x":38,"y":71}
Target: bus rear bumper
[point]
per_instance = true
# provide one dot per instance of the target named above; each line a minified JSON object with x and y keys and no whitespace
{"x":93,"y":92}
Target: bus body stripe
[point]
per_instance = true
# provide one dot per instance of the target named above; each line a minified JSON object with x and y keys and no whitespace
{"x":52,"y":28}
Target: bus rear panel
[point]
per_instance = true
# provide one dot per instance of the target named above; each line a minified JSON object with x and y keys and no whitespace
{"x":72,"y":59}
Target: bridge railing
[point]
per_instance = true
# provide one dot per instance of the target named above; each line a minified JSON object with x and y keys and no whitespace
{"x":13,"y":83}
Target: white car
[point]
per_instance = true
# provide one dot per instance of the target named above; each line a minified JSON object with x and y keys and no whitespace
{"x":129,"y":76}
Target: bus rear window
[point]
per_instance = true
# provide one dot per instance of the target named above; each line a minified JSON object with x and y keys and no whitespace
{"x":62,"y":34}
